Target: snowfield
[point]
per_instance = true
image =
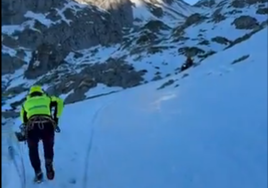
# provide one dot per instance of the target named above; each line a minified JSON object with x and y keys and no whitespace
{"x":173,"y":13}
{"x":208,"y":132}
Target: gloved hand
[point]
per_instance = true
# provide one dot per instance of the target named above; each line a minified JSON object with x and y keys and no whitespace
{"x":22,"y":127}
{"x":57,"y":129}
{"x":20,"y":136}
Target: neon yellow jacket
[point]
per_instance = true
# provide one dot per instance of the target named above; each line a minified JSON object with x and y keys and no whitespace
{"x":41,"y":105}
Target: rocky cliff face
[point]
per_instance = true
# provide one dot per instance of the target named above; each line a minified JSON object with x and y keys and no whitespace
{"x":64,"y":23}
{"x":120,"y":10}
{"x":40,"y":34}
{"x":68,"y":23}
{"x":73,"y":47}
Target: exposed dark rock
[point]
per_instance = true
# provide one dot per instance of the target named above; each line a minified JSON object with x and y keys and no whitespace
{"x":195,"y":18}
{"x":168,"y":83}
{"x":244,"y":3}
{"x":10,"y":114}
{"x":241,"y":59}
{"x":16,"y":90}
{"x":217,"y":16}
{"x":262,"y":11}
{"x":204,"y":42}
{"x":205,"y":55}
{"x":190,"y":51}
{"x":157,"y":77}
{"x":156,"y":26}
{"x":207,"y":3}
{"x":221,"y":40}
{"x":146,"y":38}
{"x":10,"y":64}
{"x":115,"y":72}
{"x":45,"y":58}
{"x":245,"y":22}
{"x":84,"y":26}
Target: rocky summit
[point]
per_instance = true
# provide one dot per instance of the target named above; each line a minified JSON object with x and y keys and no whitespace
{"x":79,"y":49}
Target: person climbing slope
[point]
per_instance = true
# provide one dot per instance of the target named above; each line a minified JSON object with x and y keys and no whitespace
{"x":40,"y":123}
{"x":188,"y":63}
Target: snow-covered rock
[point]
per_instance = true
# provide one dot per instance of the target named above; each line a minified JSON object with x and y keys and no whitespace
{"x":118,"y":50}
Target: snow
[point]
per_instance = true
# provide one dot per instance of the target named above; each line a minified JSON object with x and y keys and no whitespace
{"x":63,"y":96}
{"x":92,"y":55}
{"x":165,"y":63}
{"x":223,"y":29}
{"x":40,"y":17}
{"x":73,"y":6}
{"x":172,"y":14}
{"x":17,"y":79}
{"x":13,"y":52}
{"x":47,"y":22}
{"x":10,"y":162}
{"x":140,"y":11}
{"x":213,"y":30}
{"x":14,"y":99}
{"x":101,"y":89}
{"x":209,"y":132}
{"x":10,"y":29}
{"x":8,"y":50}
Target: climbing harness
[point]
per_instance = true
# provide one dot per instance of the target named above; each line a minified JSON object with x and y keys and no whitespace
{"x":39,"y":121}
{"x":34,"y":121}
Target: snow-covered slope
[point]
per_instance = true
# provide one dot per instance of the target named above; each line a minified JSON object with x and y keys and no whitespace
{"x":171,"y":12}
{"x":154,"y":50}
{"x":205,"y":130}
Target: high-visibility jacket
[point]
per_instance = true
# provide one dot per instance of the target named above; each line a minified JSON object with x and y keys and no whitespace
{"x":42,"y":105}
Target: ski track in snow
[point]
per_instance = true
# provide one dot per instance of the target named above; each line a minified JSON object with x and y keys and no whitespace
{"x":56,"y":183}
{"x":94,"y":122}
{"x":190,"y":137}
{"x":14,"y":155}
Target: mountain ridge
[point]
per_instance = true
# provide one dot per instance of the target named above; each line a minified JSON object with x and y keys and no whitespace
{"x":138,"y":54}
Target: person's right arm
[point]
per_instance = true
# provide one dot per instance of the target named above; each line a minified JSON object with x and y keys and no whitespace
{"x":59,"y":104}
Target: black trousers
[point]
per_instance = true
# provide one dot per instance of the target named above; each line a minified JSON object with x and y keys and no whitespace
{"x":47,"y":135}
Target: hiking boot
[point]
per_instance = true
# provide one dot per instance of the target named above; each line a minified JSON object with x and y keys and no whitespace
{"x":38,"y":177}
{"x":50,"y":171}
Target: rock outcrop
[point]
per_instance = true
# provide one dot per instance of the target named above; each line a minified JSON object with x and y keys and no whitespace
{"x":121,"y":10}
{"x":73,"y":25}
{"x":245,"y":22}
{"x":9,"y":64}
{"x":66,"y":23}
{"x":45,"y":58}
{"x":114,"y":72}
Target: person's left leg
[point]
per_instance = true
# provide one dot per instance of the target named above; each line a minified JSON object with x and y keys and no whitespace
{"x":32,"y":142}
